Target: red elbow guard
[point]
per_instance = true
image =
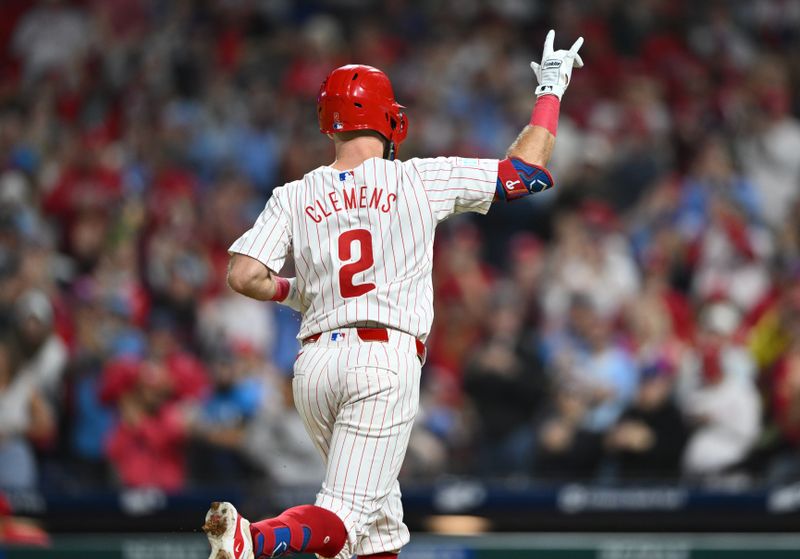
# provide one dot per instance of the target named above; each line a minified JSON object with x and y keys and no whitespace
{"x":516,"y":178}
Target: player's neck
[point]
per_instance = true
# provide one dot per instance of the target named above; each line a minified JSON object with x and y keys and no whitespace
{"x":352,"y":153}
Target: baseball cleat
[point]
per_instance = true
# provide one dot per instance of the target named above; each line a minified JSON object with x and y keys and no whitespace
{"x":228,"y":532}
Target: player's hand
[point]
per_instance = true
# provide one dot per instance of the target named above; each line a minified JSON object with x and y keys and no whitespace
{"x":554,"y":73}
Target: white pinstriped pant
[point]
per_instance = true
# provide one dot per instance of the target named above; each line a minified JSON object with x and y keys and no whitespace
{"x":358,"y":401}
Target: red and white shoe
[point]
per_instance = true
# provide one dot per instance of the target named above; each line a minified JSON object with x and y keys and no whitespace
{"x":228,"y":532}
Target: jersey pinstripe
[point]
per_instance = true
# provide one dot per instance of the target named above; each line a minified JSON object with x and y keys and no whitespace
{"x":363,"y":239}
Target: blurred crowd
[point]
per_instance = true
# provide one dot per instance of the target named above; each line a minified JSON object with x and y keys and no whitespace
{"x":639,"y":322}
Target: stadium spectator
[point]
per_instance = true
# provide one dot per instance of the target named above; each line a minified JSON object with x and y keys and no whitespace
{"x":230,"y":320}
{"x":786,"y":414}
{"x":565,"y":451}
{"x":771,"y":138}
{"x":218,"y":431}
{"x":660,"y":324}
{"x":784,"y":383}
{"x":505,"y":383}
{"x":648,"y":440}
{"x":25,"y":420}
{"x":527,"y":267}
{"x":440,"y":440}
{"x":147,"y":447}
{"x":591,"y":259}
{"x":276,"y":440}
{"x":595,"y":380}
{"x":598,"y":368}
{"x":731,"y":258}
{"x":724,"y":381}
{"x":43,"y":352}
{"x":712,"y":179}
{"x":52,"y":37}
{"x":462,"y":289}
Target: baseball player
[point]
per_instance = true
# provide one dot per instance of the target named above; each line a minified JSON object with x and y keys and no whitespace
{"x":361,"y":232}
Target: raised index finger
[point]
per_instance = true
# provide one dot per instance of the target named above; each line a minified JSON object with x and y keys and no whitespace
{"x":548,"y":43}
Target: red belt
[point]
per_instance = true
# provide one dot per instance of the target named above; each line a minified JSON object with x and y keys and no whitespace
{"x":373,"y":335}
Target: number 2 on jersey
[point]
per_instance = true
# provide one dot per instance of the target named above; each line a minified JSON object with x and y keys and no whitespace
{"x":364,"y":239}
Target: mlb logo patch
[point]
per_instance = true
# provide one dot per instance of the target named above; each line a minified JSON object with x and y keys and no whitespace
{"x":337,"y":336}
{"x":343,"y":176}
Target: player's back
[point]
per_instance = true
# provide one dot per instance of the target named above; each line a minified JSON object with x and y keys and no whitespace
{"x":363,"y":242}
{"x":363,"y":239}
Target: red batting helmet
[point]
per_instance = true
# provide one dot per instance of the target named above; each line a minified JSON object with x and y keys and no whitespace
{"x":359,"y":97}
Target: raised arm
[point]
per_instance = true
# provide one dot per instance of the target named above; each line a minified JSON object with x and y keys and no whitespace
{"x":529,"y":154}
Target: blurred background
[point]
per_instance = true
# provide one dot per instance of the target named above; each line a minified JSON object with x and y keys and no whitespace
{"x":620,"y":353}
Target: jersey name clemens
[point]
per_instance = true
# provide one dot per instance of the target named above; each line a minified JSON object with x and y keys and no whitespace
{"x":353,"y":198}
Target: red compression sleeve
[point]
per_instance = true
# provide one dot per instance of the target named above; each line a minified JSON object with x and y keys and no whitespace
{"x":281,"y":288}
{"x":545,"y":113}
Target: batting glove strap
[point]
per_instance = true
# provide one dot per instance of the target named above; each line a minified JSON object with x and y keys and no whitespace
{"x":555,"y":70}
{"x":516,"y":179}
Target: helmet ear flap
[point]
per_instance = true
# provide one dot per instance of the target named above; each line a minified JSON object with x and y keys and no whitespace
{"x":399,"y":126}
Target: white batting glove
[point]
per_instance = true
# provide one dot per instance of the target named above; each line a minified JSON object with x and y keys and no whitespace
{"x":554,"y":73}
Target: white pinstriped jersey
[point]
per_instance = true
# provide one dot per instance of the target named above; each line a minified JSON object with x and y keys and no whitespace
{"x":363,"y":239}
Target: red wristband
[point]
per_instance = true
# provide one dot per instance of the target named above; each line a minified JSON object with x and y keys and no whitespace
{"x":545,"y":113}
{"x":281,"y":289}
